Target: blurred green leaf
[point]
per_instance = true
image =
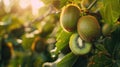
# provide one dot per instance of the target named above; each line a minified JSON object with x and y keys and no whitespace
{"x":68,"y":60}
{"x":118,"y":63}
{"x":17,"y":60}
{"x":27,"y":41}
{"x":15,"y":23}
{"x":115,"y":65}
{"x":9,"y":23}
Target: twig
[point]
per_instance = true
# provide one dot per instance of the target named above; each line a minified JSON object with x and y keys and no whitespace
{"x":92,"y":4}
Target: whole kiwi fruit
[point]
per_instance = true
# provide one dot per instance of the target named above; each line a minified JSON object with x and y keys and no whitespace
{"x":88,"y":28}
{"x":69,"y":17}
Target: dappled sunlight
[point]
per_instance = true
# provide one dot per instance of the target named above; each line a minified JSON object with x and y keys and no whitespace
{"x":24,"y":3}
{"x":6,"y":2}
{"x":36,"y":4}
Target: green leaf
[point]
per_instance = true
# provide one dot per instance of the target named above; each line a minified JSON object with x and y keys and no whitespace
{"x":100,"y":47}
{"x":118,"y":62}
{"x":100,"y":60}
{"x":115,"y":65}
{"x":0,"y":48}
{"x":116,"y":52}
{"x":109,"y":45}
{"x":81,"y":61}
{"x":110,"y":11}
{"x":68,"y":60}
{"x":62,"y":40}
{"x":116,"y":43}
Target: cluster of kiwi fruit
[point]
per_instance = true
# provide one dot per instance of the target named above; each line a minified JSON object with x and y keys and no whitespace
{"x":85,"y":29}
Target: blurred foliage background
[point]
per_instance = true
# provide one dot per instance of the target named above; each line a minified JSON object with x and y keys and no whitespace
{"x":27,"y":32}
{"x":31,"y":36}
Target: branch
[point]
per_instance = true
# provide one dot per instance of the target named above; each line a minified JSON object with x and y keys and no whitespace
{"x":50,"y":11}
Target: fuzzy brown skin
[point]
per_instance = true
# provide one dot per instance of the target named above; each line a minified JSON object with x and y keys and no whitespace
{"x":88,"y":28}
{"x":69,"y":17}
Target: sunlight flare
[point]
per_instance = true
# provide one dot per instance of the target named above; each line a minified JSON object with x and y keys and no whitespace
{"x":36,"y":4}
{"x":24,"y":3}
{"x":6,"y":2}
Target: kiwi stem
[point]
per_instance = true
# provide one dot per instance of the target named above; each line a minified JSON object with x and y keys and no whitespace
{"x":92,"y":4}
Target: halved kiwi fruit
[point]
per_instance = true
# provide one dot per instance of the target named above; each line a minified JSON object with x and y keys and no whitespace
{"x":78,"y":46}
